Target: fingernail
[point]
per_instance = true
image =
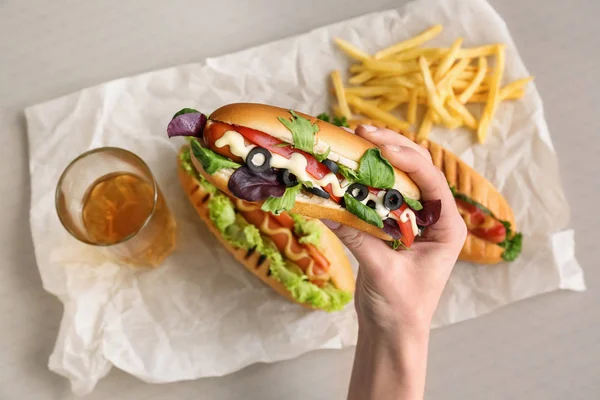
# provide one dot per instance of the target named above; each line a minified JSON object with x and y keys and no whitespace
{"x":347,"y":129}
{"x":369,"y":128}
{"x":330,"y":224}
{"x":395,"y":149}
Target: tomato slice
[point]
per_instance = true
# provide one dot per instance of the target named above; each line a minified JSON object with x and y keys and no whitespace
{"x":480,"y":224}
{"x":408,"y":236}
{"x":496,"y":234}
{"x":274,"y":145}
{"x":333,"y":197}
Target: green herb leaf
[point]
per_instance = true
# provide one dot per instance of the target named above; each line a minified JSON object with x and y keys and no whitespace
{"x":341,"y":121}
{"x":414,"y":204}
{"x":396,"y":244}
{"x":303,"y":132}
{"x":512,"y":247}
{"x":185,"y":111}
{"x":337,"y":121}
{"x":375,"y":171}
{"x":324,"y":117}
{"x":467,"y":199}
{"x":348,"y":173}
{"x":363,"y":212}
{"x":277,"y":205}
{"x":211,"y":161}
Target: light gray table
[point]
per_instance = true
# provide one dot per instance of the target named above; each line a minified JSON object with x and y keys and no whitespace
{"x":544,"y":348}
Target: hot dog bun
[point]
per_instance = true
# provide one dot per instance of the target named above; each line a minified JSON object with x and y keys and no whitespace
{"x":469,"y":182}
{"x":340,"y":269}
{"x":345,"y":144}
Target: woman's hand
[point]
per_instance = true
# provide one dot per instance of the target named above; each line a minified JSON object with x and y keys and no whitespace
{"x":397,"y":291}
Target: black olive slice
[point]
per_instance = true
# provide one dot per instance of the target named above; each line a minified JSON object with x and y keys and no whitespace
{"x":358,"y":191}
{"x":333,"y":167}
{"x":392,"y":200}
{"x":259,"y":160}
{"x":287,"y":178}
{"x":319,"y":192}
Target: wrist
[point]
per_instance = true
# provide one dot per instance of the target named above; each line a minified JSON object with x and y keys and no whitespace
{"x":388,"y":366}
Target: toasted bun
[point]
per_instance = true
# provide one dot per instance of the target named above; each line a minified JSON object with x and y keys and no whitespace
{"x":340,"y":269}
{"x":265,"y":119}
{"x":306,"y":204}
{"x":472,"y":184}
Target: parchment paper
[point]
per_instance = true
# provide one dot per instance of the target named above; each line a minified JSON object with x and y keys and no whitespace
{"x":202,"y":315}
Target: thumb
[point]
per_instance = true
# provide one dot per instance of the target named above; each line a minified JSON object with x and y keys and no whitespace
{"x":364,"y":246}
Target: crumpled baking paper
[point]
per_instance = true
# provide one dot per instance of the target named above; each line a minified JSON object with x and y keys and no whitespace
{"x":201,"y":314}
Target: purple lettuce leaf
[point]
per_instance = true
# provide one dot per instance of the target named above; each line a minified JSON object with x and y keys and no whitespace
{"x":430,"y":213}
{"x":187,"y":124}
{"x":252,"y":186}
{"x":391,"y":227}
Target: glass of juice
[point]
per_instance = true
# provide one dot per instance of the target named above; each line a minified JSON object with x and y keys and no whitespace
{"x":108,"y":197}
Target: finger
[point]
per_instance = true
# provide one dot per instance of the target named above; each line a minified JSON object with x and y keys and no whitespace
{"x":432,"y":184}
{"x":364,"y":246}
{"x":381,"y":137}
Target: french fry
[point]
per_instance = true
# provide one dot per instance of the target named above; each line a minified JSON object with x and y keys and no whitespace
{"x":493,"y":98}
{"x":461,"y":110}
{"x":402,"y":81}
{"x":433,"y":98}
{"x":474,"y":52}
{"x":514,"y":86}
{"x":411,"y":112}
{"x":388,"y":105}
{"x":399,"y":68}
{"x":375,"y":113}
{"x":373,"y":91}
{"x":483,"y":97}
{"x":361,"y":78}
{"x":426,"y":126}
{"x":351,"y":50}
{"x":448,"y":80}
{"x":468,"y":92}
{"x":357,"y":68}
{"x":415,"y":53}
{"x":410,"y":43}
{"x":338,"y":86}
{"x":448,"y":60}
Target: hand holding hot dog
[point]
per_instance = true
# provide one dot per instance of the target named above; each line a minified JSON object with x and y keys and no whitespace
{"x":397,"y":291}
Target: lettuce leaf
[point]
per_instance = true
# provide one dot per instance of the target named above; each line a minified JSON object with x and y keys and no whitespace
{"x":185,"y":160}
{"x":276,"y":205}
{"x":211,"y":161}
{"x":308,"y":231}
{"x":303,"y":134}
{"x":221,"y":211}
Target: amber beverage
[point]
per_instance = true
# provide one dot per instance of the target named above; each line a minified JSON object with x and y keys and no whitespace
{"x":107,"y":197}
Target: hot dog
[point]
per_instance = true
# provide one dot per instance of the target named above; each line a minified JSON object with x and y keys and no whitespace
{"x":288,"y":161}
{"x":299,"y":258}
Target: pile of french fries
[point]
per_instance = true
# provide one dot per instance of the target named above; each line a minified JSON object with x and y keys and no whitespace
{"x":391,"y":85}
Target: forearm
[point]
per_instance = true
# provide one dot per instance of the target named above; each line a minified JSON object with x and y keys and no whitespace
{"x":389,"y":368}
